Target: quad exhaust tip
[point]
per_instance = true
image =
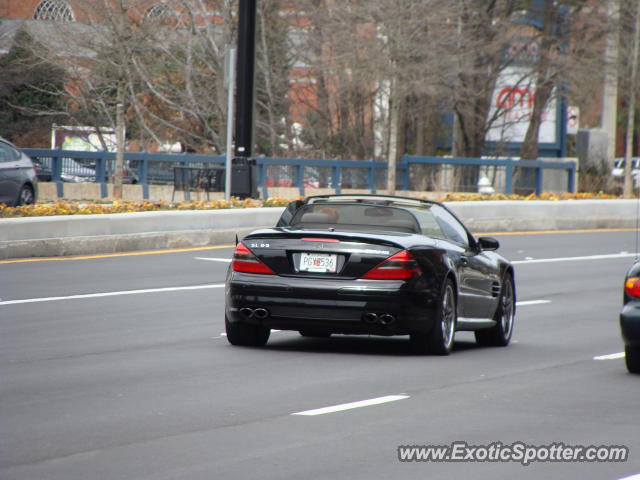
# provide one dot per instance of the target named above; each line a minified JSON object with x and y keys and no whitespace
{"x":381,"y":319}
{"x":259,"y":313}
{"x":370,"y":317}
{"x":386,"y":319}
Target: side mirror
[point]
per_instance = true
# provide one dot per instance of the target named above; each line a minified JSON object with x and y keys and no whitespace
{"x":488,"y":243}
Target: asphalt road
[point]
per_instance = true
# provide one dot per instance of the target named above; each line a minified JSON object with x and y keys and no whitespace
{"x":142,"y":384}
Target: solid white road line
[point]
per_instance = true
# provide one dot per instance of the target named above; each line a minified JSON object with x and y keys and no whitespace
{"x":532,"y":302}
{"x":225,"y":260}
{"x":351,"y":405}
{"x":611,"y":356}
{"x":112,"y":294}
{"x":574,"y":259}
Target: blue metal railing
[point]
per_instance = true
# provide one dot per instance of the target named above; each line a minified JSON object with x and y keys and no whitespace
{"x":308,"y":173}
{"x":141,"y":168}
{"x":508,"y":164}
{"x":157,"y":168}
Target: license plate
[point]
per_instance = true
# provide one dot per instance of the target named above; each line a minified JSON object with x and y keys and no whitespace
{"x":318,"y":262}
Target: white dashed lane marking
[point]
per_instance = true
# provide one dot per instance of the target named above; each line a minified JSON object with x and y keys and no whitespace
{"x":352,"y":405}
{"x":111,"y":294}
{"x":526,"y":303}
{"x":611,"y":356}
{"x":574,"y":259}
{"x":632,"y":477}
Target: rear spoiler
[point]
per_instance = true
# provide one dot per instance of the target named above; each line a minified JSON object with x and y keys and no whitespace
{"x":377,"y":239}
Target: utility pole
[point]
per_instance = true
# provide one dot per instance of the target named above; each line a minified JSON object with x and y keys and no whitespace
{"x":245,"y":73}
{"x":393,"y":137}
{"x":230,"y":80}
{"x":631,"y":104}
{"x":120,"y":146}
{"x":610,"y":90}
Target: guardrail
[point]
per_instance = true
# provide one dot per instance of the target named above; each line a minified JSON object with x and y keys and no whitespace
{"x":301,"y":173}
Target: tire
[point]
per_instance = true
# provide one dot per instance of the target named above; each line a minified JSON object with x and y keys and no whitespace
{"x":500,"y":334}
{"x":632,"y":359}
{"x":246,"y":335}
{"x":25,"y":197}
{"x":439,"y":341}
{"x":312,"y":334}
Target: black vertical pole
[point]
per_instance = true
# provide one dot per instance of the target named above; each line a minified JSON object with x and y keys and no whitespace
{"x":245,"y":77}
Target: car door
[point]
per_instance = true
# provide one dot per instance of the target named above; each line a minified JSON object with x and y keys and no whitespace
{"x":477,"y":276}
{"x":10,"y":180}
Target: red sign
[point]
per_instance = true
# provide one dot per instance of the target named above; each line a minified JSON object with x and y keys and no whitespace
{"x":510,"y":97}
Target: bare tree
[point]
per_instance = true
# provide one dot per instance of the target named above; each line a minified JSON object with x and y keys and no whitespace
{"x":569,"y":49}
{"x":483,"y":31}
{"x":545,"y":77}
{"x":338,"y":87}
{"x":178,"y":86}
{"x":274,"y":61}
{"x":29,"y":94}
{"x":631,"y":38}
{"x":371,"y":61}
{"x":357,"y":79}
{"x":165,"y":63}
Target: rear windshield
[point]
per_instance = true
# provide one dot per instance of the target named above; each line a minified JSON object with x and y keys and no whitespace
{"x":356,"y":217}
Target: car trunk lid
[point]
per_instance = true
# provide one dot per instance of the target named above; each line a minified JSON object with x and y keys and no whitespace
{"x":322,"y":254}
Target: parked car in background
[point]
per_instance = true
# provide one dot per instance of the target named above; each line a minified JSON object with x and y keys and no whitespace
{"x":158,"y":172}
{"x":18,"y":179}
{"x":71,"y":171}
{"x":285,"y":176}
{"x":619,"y":166}
{"x":630,"y":318}
{"x":129,"y":174}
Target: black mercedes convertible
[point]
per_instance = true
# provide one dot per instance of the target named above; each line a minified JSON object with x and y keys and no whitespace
{"x":372,"y":265}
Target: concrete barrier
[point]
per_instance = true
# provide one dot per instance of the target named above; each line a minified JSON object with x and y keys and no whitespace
{"x":96,"y":234}
{"x":537,"y":215}
{"x":120,"y":232}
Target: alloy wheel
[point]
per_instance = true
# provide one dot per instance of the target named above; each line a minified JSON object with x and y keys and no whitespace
{"x":448,"y":315}
{"x":26,"y":196}
{"x":507,"y":309}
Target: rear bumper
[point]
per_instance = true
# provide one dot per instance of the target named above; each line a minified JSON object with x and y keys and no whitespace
{"x":336,"y":306}
{"x":630,"y":324}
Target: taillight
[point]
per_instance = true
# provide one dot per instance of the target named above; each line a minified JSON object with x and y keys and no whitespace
{"x":632,"y":287}
{"x":400,"y":266}
{"x":245,"y":261}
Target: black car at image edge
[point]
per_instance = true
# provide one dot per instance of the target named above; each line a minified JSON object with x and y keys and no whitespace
{"x":372,"y":265}
{"x":18,"y":179}
{"x":630,"y":319}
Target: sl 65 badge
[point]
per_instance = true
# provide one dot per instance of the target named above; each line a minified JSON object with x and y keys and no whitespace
{"x":259,"y":245}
